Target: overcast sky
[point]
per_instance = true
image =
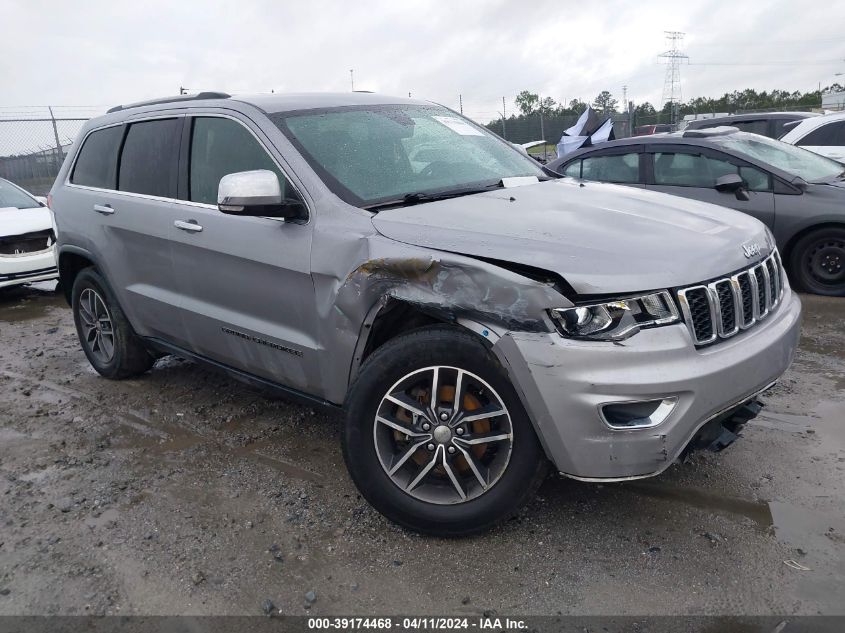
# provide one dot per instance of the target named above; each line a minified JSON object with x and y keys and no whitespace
{"x":100,"y":53}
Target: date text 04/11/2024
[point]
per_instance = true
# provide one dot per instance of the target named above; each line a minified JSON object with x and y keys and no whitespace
{"x":428,"y":623}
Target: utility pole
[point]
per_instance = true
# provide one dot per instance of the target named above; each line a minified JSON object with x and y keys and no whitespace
{"x":672,"y":80}
{"x":352,"y":78}
{"x":182,"y":90}
{"x":627,"y":109}
{"x":59,"y":153}
{"x":542,"y":130}
{"x":504,"y":116}
{"x":461,"y":102}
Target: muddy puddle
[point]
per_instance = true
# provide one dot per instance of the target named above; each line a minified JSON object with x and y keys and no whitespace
{"x":815,"y":540}
{"x":826,"y":421}
{"x":28,"y":303}
{"x":157,"y":438}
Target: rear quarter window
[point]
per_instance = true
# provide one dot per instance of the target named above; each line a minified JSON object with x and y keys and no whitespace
{"x":573,"y":169}
{"x":96,"y":164}
{"x":760,"y":126}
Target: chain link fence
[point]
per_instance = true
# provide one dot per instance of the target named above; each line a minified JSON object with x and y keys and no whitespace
{"x":33,"y":146}
{"x":525,"y":129}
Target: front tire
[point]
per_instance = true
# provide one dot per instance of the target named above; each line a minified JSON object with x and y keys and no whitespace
{"x":452,"y":466}
{"x":817,"y":262}
{"x":106,"y":337}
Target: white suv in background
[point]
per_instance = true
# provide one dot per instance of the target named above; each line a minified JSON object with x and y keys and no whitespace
{"x":823,"y":135}
{"x":27,"y":238}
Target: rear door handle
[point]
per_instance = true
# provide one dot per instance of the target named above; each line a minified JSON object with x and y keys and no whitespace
{"x":104,"y":209}
{"x":188,"y":225}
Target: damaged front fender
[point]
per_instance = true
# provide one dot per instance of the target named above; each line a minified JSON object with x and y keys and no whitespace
{"x":448,"y":286}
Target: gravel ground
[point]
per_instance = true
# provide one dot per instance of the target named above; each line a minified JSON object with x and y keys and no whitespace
{"x":185,"y":492}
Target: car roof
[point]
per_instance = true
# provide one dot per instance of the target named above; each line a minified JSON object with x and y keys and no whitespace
{"x":752,"y":116}
{"x":267,"y":103}
{"x":272,"y":102}
{"x":674,"y":138}
{"x":808,"y":125}
{"x":698,"y":138}
{"x":317,"y":100}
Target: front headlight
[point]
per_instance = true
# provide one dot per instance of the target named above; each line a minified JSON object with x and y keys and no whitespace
{"x":617,"y":319}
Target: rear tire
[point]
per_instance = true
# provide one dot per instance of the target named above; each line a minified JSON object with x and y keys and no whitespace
{"x":481,"y":470}
{"x":109,"y":342}
{"x":817,"y":262}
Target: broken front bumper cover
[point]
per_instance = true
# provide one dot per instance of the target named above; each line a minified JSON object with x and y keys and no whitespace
{"x":564,"y":385}
{"x":723,"y":430}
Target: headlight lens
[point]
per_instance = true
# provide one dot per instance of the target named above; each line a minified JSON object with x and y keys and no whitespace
{"x":618,"y":319}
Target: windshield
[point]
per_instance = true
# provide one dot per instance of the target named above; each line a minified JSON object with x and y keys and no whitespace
{"x":793,"y":160}
{"x":13,"y":196}
{"x":372,"y":154}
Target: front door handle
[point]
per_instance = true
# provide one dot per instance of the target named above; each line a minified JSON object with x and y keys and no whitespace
{"x":188,"y":225}
{"x":104,"y":209}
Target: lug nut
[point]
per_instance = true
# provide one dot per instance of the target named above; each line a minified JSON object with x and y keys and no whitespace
{"x":426,"y":426}
{"x":444,"y":416}
{"x":460,"y":430}
{"x":451,"y":449}
{"x":430,"y":447}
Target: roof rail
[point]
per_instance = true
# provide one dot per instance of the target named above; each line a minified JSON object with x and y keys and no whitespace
{"x":201,"y":95}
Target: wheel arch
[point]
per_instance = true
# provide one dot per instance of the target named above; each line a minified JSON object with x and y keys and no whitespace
{"x":391,"y":317}
{"x":793,"y":240}
{"x":72,"y":261}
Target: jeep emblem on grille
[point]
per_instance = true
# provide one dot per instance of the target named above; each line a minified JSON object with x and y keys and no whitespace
{"x":751,"y":249}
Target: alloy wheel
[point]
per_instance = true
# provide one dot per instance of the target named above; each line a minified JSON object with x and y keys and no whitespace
{"x":97,"y":328}
{"x":443,"y":435}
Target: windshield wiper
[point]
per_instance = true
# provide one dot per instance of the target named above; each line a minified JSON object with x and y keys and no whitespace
{"x":421,"y":196}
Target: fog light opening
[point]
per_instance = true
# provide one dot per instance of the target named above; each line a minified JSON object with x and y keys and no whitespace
{"x":639,"y":414}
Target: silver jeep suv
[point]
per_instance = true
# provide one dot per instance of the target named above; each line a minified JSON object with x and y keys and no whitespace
{"x":474,"y":315}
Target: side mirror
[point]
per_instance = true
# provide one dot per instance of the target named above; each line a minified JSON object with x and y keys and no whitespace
{"x":256,"y":193}
{"x":728,"y":182}
{"x":799,"y":182}
{"x":732,"y":183}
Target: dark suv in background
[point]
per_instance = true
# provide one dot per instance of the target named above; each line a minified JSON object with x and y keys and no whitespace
{"x":771,"y":124}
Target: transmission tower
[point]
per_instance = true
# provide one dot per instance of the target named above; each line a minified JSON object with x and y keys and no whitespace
{"x":672,"y":83}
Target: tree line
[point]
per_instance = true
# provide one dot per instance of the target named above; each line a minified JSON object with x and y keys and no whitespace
{"x":532,"y":109}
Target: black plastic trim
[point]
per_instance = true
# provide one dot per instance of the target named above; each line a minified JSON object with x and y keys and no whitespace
{"x":293,"y":394}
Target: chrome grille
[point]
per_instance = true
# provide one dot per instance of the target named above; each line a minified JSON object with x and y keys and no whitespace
{"x":721,"y":308}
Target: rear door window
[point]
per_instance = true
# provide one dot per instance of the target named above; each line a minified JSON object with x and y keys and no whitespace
{"x":830,"y":135}
{"x":96,"y":165}
{"x":148,"y":162}
{"x":221,"y":146}
{"x":619,"y":168}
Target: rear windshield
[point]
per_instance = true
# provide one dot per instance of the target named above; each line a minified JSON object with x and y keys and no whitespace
{"x":371,"y":154}
{"x":793,"y":160}
{"x":15,"y":197}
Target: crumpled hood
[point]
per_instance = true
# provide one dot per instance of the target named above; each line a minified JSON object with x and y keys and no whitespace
{"x":14,"y":221}
{"x":600,"y":238}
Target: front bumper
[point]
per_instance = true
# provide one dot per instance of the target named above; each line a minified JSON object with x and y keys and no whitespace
{"x":26,"y":268}
{"x":563,"y":382}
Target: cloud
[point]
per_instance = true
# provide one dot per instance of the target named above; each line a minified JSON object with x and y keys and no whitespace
{"x":101,"y":53}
